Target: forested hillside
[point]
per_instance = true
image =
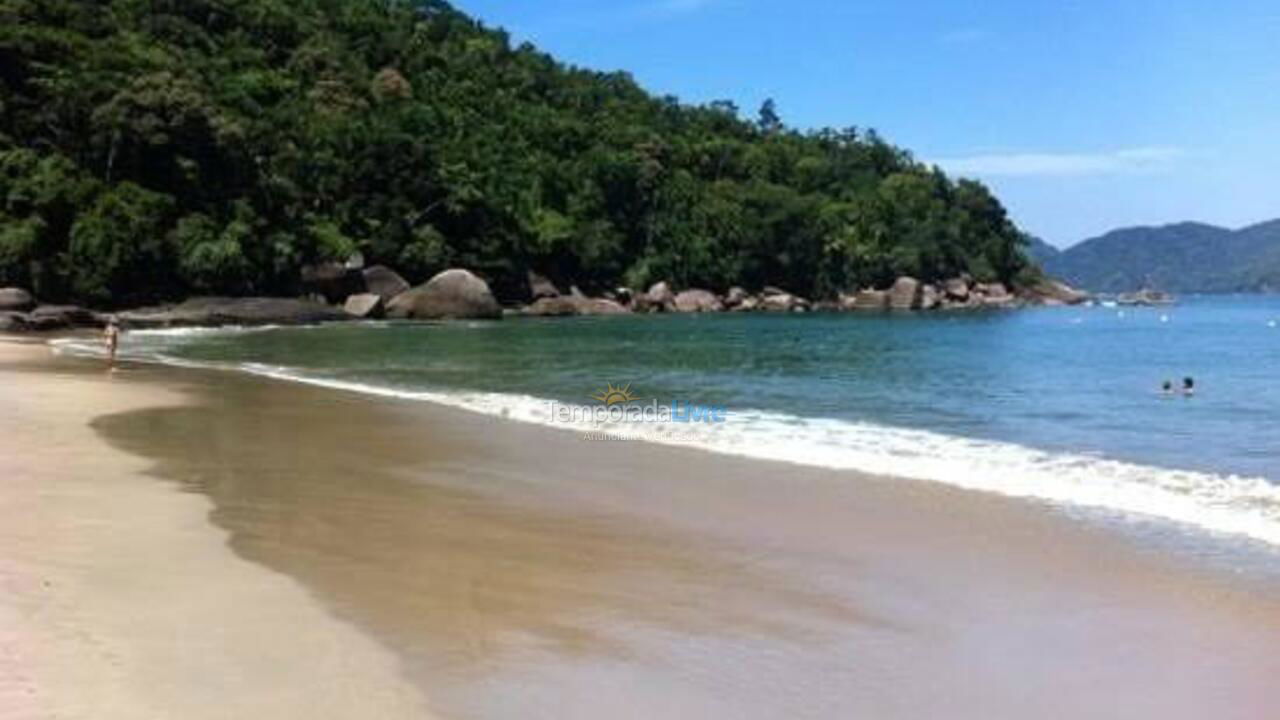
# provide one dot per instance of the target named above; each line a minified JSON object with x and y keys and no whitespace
{"x":153,"y":149}
{"x":1181,"y":258}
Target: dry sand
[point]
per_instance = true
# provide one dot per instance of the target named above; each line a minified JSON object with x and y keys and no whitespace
{"x":118,"y":599}
{"x":520,"y":572}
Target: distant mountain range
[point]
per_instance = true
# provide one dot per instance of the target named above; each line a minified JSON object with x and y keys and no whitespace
{"x":1183,"y":258}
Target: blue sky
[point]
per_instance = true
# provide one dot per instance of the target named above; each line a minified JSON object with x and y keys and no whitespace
{"x":1083,"y":116}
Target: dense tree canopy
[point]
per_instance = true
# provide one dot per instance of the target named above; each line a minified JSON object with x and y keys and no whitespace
{"x":157,"y":148}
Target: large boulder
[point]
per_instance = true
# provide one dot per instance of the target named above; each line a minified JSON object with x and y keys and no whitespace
{"x":453,"y":294}
{"x":384,"y":282}
{"x":995,"y":289}
{"x":697,"y":301}
{"x":993,"y":295}
{"x":541,"y":287}
{"x":16,"y":300}
{"x":333,"y":281}
{"x":217,"y":311}
{"x":58,"y":317}
{"x":659,"y":298}
{"x":871,"y":300}
{"x":603,"y":306}
{"x":365,"y":306}
{"x":930,"y":298}
{"x":565,"y":306}
{"x":956,"y":290}
{"x":558,"y":306}
{"x":775,"y":300}
{"x":905,"y":294}
{"x":11,"y":322}
{"x":736,"y":297}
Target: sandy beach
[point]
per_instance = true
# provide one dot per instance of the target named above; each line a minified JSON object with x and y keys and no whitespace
{"x":195,"y":544}
{"x":118,"y":599}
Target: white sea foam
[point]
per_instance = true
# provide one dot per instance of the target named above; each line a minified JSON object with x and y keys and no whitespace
{"x":1220,"y":503}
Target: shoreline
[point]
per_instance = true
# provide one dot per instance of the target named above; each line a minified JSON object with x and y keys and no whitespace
{"x":516,"y":571}
{"x":1163,"y":500}
{"x":121,"y":600}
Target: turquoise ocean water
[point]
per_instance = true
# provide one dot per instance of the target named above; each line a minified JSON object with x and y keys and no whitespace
{"x":1062,"y":404}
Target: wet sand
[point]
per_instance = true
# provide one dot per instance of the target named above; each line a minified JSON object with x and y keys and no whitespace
{"x":522,"y":572}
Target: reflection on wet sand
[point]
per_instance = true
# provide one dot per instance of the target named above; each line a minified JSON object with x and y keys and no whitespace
{"x":398,"y":532}
{"x":522,"y":573}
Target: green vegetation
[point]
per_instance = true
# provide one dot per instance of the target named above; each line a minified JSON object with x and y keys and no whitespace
{"x":1181,"y":258}
{"x":152,"y":149}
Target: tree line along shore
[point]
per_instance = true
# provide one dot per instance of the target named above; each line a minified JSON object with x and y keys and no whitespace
{"x":154,"y":152}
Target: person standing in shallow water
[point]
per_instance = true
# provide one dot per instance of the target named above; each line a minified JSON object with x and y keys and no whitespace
{"x":111,"y":336}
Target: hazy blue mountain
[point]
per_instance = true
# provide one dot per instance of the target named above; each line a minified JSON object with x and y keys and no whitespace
{"x":1183,"y":258}
{"x":1040,"y":251}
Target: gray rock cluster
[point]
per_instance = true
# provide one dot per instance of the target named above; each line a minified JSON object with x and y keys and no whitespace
{"x":378,"y":291}
{"x":20,"y":312}
{"x":904,"y":294}
{"x":347,"y":291}
{"x":219,"y":311}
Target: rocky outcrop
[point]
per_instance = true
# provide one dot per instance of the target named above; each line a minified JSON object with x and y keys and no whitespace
{"x":604,"y":306}
{"x":929,"y":297}
{"x":384,"y":282}
{"x":905,"y":294}
{"x":12,"y":322}
{"x":16,"y":300}
{"x":48,"y":318}
{"x":869,"y":299}
{"x":58,"y":317}
{"x":571,"y":305}
{"x":735,"y":297}
{"x":956,"y":290}
{"x":777,"y":300}
{"x":993,"y":295}
{"x":541,"y":287}
{"x":333,"y":281}
{"x":216,"y":311}
{"x":558,"y":306}
{"x":697,"y":301}
{"x":365,"y":306}
{"x":1053,"y":292}
{"x":659,"y":298}
{"x":453,"y":294}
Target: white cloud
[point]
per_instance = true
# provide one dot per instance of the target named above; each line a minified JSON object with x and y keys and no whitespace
{"x":1142,"y":160}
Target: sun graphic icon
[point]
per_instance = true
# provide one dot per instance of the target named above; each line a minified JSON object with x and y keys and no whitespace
{"x":611,"y":395}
